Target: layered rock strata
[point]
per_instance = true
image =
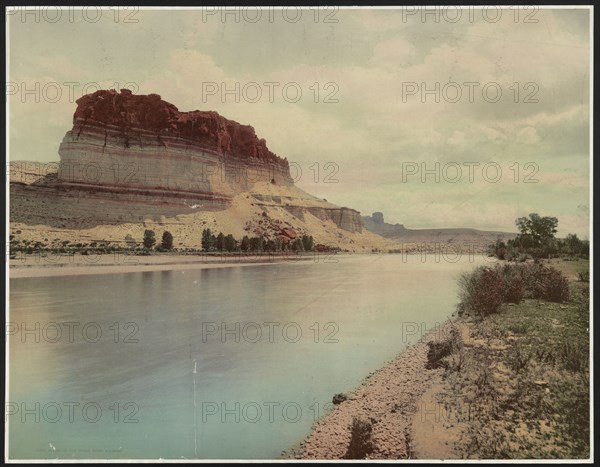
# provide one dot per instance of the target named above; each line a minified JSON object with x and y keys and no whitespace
{"x":141,"y":145}
{"x":133,"y":157}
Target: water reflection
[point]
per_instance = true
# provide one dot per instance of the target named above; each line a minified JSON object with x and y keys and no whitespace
{"x":283,"y":333}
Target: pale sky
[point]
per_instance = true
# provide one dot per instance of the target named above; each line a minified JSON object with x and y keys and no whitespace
{"x":360,"y":118}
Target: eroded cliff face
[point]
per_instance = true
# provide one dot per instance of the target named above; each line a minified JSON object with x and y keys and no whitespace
{"x":128,"y":144}
{"x":207,"y":130}
{"x":298,"y":203}
{"x":137,"y":160}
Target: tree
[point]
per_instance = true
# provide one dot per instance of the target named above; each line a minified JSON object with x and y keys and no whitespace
{"x":167,"y":241}
{"x":220,"y":243}
{"x":307,"y":242}
{"x":297,"y":245}
{"x":257,"y":244}
{"x":245,"y":244}
{"x":540,"y":229}
{"x":573,"y":243}
{"x":230,"y":243}
{"x":149,"y":238}
{"x":500,"y":249}
{"x":574,"y":246}
{"x":207,"y":240}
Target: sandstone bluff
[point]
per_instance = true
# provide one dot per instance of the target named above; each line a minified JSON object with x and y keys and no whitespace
{"x":132,"y":162}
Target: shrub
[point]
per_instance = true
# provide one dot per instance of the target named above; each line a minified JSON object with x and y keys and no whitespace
{"x":514,"y":287}
{"x":514,"y":290}
{"x":584,"y":276}
{"x":519,"y":359}
{"x":438,"y":350}
{"x":532,"y":274}
{"x":534,"y":281}
{"x":484,"y":290}
{"x":339,"y":398}
{"x":481,"y":291}
{"x":522,"y":257}
{"x":518,"y":328}
{"x":573,"y":403}
{"x":573,"y":357}
{"x":551,"y":284}
{"x":582,"y":300}
{"x":361,"y":441}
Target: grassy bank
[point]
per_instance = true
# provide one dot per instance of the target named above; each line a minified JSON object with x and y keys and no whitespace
{"x":516,"y":381}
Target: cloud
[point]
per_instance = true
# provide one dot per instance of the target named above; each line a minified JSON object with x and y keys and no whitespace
{"x":457,"y":139}
{"x":528,"y":135}
{"x":354,"y":109}
{"x":396,"y":51}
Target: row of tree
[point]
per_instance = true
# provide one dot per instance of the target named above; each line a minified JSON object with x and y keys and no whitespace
{"x":209,"y":242}
{"x":166,"y":243}
{"x":537,"y":239}
{"x":221,"y":242}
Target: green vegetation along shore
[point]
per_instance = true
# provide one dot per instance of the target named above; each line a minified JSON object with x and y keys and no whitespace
{"x":516,"y":381}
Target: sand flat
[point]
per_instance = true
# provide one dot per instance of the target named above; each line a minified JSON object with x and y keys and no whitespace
{"x":32,"y":266}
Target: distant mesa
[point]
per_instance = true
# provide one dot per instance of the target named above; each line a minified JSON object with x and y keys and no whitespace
{"x":376,"y":224}
{"x":377,"y":217}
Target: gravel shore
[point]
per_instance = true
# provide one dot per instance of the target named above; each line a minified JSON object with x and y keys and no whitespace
{"x":389,"y":398}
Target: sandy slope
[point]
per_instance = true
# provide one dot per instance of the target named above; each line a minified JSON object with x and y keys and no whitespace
{"x":246,"y":212}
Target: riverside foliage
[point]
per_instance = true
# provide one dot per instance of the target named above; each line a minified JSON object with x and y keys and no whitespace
{"x":485,"y":289}
{"x":536,"y":239}
{"x":221,"y":242}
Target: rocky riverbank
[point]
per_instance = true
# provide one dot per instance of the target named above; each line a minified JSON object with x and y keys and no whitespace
{"x":510,"y":385}
{"x":387,"y":400}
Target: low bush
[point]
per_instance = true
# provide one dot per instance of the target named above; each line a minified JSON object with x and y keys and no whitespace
{"x":584,"y":276}
{"x":514,"y":285}
{"x":339,"y":398}
{"x":481,"y":291}
{"x":547,"y":283}
{"x":519,"y":359}
{"x":143,"y":252}
{"x":438,"y":350}
{"x":556,"y":286}
{"x":574,"y":358}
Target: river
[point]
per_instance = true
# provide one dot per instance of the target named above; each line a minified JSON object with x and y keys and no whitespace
{"x":227,"y":363}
